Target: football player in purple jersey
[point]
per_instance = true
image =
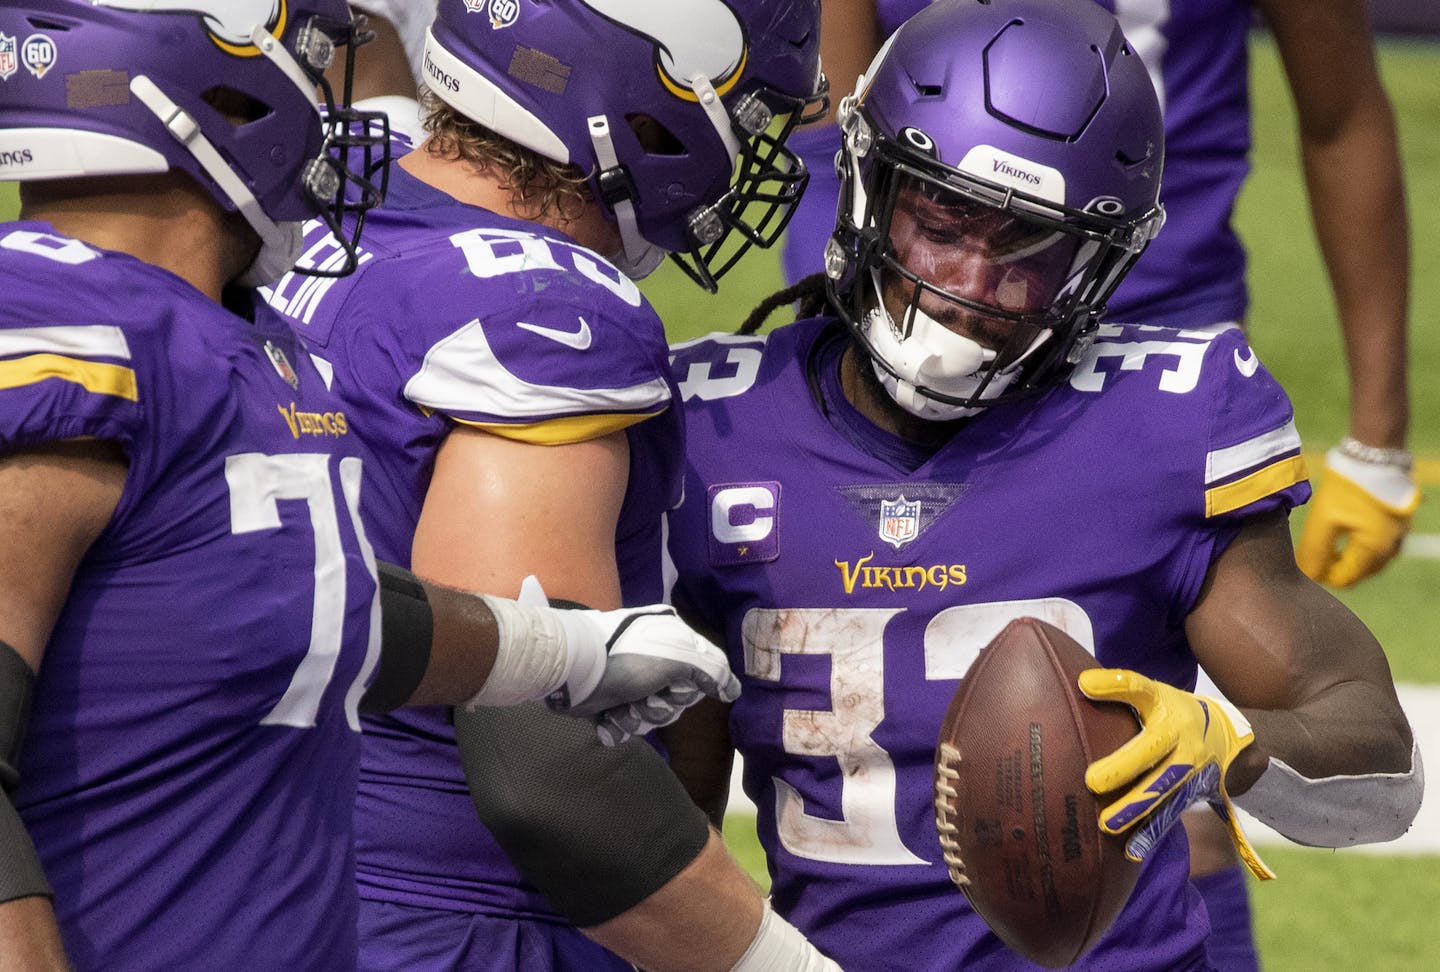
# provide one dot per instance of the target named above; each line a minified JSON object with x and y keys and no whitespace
{"x":1194,"y":275}
{"x":191,"y":615}
{"x":495,"y":350}
{"x":958,"y":440}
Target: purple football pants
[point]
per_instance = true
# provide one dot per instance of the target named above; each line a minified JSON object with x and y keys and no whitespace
{"x":395,"y":936}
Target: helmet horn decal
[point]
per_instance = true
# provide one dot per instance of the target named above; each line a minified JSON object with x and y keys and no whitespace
{"x":691,"y":37}
{"x":230,"y":22}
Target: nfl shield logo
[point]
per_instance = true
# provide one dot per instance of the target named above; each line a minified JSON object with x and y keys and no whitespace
{"x":282,"y":364}
{"x":9,"y":61}
{"x":475,"y":6}
{"x":899,"y":521}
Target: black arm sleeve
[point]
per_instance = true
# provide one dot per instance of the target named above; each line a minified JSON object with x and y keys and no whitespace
{"x":406,"y":629}
{"x":20,"y":873}
{"x":596,"y":829}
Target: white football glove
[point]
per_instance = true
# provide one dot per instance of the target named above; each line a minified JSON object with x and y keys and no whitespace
{"x":634,"y":669}
{"x":655,"y":667}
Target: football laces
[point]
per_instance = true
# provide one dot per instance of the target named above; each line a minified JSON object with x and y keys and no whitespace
{"x":946,"y":775}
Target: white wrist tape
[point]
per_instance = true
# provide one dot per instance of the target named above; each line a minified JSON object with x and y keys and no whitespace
{"x":538,"y":650}
{"x":1337,"y":811}
{"x":778,"y":946}
{"x":1390,"y":483}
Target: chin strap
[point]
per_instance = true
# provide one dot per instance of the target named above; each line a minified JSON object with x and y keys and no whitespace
{"x":640,"y":257}
{"x":279,"y":242}
{"x":719,"y":117}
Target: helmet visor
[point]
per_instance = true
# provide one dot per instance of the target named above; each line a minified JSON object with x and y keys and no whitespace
{"x":998,"y":276}
{"x":989,"y":257}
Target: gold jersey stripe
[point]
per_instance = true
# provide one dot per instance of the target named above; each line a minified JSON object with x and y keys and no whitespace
{"x":104,"y":379}
{"x":562,"y":431}
{"x":1262,"y":482}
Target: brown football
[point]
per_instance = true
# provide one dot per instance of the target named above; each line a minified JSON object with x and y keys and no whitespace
{"x":1019,"y":829}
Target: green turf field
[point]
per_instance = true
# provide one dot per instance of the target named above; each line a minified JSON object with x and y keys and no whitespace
{"x":1327,"y":911}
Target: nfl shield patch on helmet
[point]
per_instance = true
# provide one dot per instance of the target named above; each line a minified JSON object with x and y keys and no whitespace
{"x":9,"y":59}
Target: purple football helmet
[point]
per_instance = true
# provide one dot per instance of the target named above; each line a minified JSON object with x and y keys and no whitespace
{"x":715,"y":85}
{"x":1000,"y":174}
{"x":224,"y":90}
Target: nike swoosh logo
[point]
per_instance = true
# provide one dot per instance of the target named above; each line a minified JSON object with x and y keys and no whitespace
{"x":1247,"y":366}
{"x":579,"y":340}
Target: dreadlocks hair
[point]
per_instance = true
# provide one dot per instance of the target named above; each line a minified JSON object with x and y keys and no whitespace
{"x":540,"y":188}
{"x":809,"y":291}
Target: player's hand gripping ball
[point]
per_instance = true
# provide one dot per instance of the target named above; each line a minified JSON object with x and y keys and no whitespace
{"x":1019,"y":830}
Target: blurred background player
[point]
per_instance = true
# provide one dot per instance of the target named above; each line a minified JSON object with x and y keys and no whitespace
{"x":390,"y":74}
{"x":1194,"y":274}
{"x":873,"y":494}
{"x":180,"y":503}
{"x":516,"y":385}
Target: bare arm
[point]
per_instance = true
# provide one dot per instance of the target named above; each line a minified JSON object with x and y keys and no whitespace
{"x":54,"y":502}
{"x":1351,"y":156}
{"x":1305,"y":671}
{"x":849,"y":38}
{"x":498,"y":510}
{"x":701,"y":755}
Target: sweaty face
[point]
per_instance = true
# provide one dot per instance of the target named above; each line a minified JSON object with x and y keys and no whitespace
{"x":997,"y":265}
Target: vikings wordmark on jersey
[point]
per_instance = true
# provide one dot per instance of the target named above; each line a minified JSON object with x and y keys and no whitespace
{"x":190,"y":764}
{"x":868,"y":588}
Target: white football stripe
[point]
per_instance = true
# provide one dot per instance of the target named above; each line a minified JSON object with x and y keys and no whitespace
{"x":1250,"y":453}
{"x":1424,"y":546}
{"x":80,"y":340}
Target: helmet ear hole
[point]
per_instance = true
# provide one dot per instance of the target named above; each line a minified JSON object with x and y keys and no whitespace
{"x":654,"y":137}
{"x":238,"y":107}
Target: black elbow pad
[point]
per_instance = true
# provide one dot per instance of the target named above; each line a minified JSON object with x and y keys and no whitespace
{"x":20,"y":873}
{"x":406,"y":630}
{"x":596,"y":829}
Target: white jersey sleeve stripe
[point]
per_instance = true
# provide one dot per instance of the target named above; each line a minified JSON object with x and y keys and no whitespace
{"x":74,"y":340}
{"x":461,"y":374}
{"x":1224,"y":463}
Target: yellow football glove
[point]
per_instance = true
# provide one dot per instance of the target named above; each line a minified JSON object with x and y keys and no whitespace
{"x":1179,"y":758}
{"x":1360,"y":514}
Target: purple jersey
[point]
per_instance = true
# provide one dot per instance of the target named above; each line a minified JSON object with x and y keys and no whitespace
{"x":1193,"y":275}
{"x":853,"y":595}
{"x":189,"y":769}
{"x":459,"y":315}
